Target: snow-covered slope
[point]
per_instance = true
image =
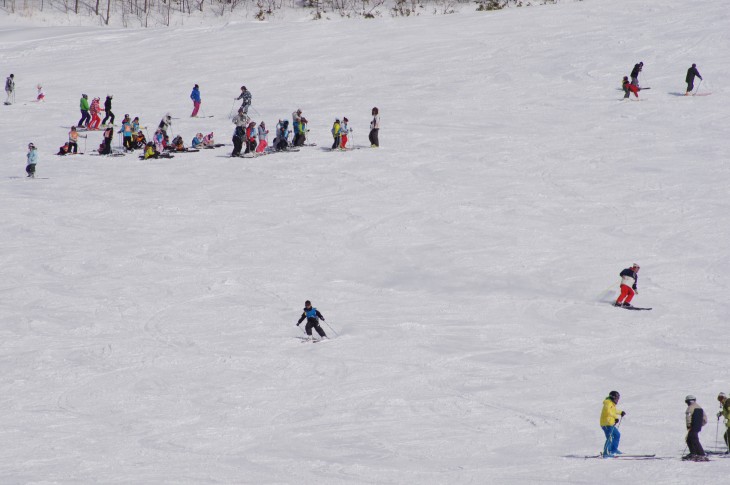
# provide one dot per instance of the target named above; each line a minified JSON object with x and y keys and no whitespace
{"x":148,"y":308}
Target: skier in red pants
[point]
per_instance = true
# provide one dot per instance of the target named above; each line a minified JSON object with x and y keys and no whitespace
{"x":629,"y":278}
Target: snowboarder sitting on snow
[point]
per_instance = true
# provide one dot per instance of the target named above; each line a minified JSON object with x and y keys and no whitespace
{"x":106,"y":147}
{"x":63,"y":150}
{"x":610,"y":417}
{"x":690,"y":78}
{"x":139,"y":140}
{"x":197,"y":140}
{"x":313,"y":317}
{"x":151,"y":151}
{"x":629,"y":278}
{"x":695,"y":418}
{"x":630,"y":88}
{"x":32,"y":159}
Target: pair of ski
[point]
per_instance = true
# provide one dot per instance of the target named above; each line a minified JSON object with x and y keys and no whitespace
{"x":305,"y":340}
{"x":622,"y":457}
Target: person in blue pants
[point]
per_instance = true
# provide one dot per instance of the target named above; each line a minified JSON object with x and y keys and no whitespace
{"x":610,"y":417}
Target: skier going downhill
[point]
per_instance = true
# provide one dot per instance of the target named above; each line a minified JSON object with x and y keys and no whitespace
{"x":629,"y":278}
{"x":629,"y":88}
{"x":245,"y":98}
{"x":10,"y":88}
{"x":610,"y":417}
{"x":313,"y":317}
{"x":695,"y":418}
{"x":692,"y":72}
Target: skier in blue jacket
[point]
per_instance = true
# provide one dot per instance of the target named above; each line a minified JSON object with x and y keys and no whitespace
{"x":195,"y":96}
{"x":32,"y":159}
{"x":313,"y":317}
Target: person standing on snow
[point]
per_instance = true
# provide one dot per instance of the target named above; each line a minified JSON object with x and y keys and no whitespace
{"x":41,"y":95}
{"x":724,"y":412}
{"x":165,"y":123}
{"x":344,"y":131}
{"x":692,"y":72}
{"x":32,"y":159}
{"x":94,"y":110}
{"x":195,"y":96}
{"x":296,"y":126}
{"x":336,"y":134}
{"x":374,"y":129}
{"x":695,"y":418}
{"x":108,"y":110}
{"x":9,"y":88}
{"x":85,"y":117}
{"x":629,"y":278}
{"x":241,"y":119}
{"x":610,"y":417}
{"x":263,"y":138}
{"x":313,"y":317}
{"x":251,"y":141}
{"x":238,"y":136}
{"x":635,"y":73}
{"x":246,"y":97}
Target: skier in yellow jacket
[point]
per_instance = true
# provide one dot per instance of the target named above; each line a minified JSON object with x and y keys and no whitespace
{"x":610,"y":417}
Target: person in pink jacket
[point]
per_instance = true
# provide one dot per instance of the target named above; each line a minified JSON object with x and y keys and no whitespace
{"x":94,"y":110}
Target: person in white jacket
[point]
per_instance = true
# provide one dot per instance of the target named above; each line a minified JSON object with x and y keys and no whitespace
{"x":32,"y":159}
{"x":374,"y":129}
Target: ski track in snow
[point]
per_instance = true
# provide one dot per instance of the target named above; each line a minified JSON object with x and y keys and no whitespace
{"x":467,"y":265}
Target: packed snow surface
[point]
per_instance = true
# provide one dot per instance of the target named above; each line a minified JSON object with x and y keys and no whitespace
{"x":148,"y":307}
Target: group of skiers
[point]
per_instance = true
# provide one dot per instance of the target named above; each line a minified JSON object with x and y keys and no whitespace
{"x":695,"y":419}
{"x":632,"y":86}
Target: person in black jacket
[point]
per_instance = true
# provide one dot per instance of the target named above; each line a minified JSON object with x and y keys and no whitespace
{"x":313,"y":317}
{"x":695,"y":419}
{"x":635,"y":73}
{"x":108,"y":110}
{"x":629,"y":278}
{"x":238,"y":137}
{"x":692,"y":72}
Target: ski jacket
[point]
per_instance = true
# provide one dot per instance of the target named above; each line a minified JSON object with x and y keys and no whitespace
{"x":691,"y":73}
{"x":84,"y":104}
{"x":197,"y":140}
{"x":150,"y":152}
{"x":108,"y":134}
{"x":312,"y":315}
{"x":73,"y":136}
{"x":246,"y":97}
{"x":344,"y":129}
{"x":632,"y":87}
{"x":95,"y":108}
{"x":251,"y":133}
{"x":375,"y":124}
{"x":263,"y":133}
{"x":127,"y":129}
{"x":636,"y":70}
{"x":32,"y":157}
{"x":336,"y":129}
{"x":108,"y":103}
{"x":208,"y":140}
{"x":195,"y":95}
{"x":283,"y":133}
{"x":9,"y":84}
{"x":695,"y":417}
{"x":239,"y":132}
{"x":629,"y":277}
{"x":725,"y":411}
{"x":609,"y":413}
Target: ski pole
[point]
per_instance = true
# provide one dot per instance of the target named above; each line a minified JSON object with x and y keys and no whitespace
{"x":230,"y":113}
{"x":330,"y":326}
{"x":698,"y":88}
{"x":255,"y":110}
{"x":85,"y":138}
{"x":717,"y":431}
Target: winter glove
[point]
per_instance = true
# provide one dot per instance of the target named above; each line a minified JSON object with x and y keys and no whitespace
{"x":623,"y":413}
{"x":298,"y":323}
{"x":719,"y":413}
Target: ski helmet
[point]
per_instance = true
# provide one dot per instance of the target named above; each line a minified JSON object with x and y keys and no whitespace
{"x":31,"y":146}
{"x":614,"y":396}
{"x":690,"y":398}
{"x":636,"y":266}
{"x":307,"y":303}
{"x":721,"y":396}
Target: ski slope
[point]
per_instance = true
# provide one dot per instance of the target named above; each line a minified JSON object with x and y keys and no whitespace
{"x":148,"y":307}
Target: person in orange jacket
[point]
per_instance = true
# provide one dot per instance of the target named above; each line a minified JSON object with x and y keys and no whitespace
{"x":630,"y":88}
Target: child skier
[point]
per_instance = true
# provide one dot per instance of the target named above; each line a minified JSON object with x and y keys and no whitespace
{"x":695,"y":419}
{"x":313,"y":317}
{"x":10,"y":89}
{"x":610,"y":417}
{"x":336,"y":133}
{"x":209,"y":140}
{"x":629,"y":88}
{"x":251,"y":138}
{"x":32,"y":159}
{"x":84,"y":106}
{"x":296,"y":126}
{"x":41,"y":95}
{"x":374,"y":129}
{"x":263,"y":138}
{"x":95,"y":109}
{"x":238,"y":136}
{"x":282,"y":136}
{"x":635,"y":73}
{"x":197,"y":140}
{"x":344,"y":131}
{"x":195,"y":96}
{"x":126,"y":132}
{"x":73,"y":140}
{"x":106,"y":146}
{"x":165,"y":123}
{"x":246,"y":97}
{"x":108,"y":110}
{"x":629,"y":278}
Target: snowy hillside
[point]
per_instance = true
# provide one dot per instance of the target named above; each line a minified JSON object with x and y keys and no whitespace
{"x":148,"y":307}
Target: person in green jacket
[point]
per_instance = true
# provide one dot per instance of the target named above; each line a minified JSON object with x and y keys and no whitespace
{"x":85,"y":116}
{"x":336,"y":134}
